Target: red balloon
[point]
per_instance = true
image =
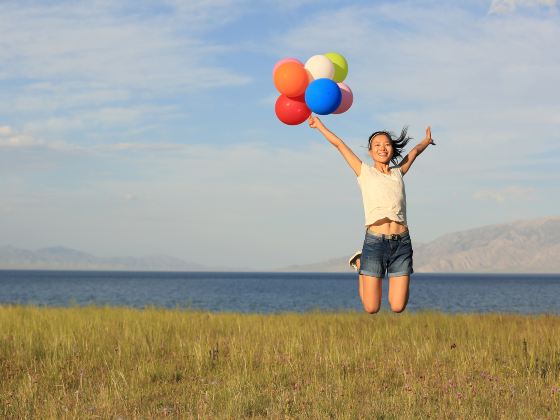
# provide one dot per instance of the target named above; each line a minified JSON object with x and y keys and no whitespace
{"x":292,"y":111}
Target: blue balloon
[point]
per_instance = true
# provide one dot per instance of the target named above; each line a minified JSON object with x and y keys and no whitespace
{"x":323,"y":96}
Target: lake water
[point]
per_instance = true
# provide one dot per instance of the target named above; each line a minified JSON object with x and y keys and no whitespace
{"x":276,"y":292}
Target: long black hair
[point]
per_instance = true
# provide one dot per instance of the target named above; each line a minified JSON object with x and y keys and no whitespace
{"x":398,"y":143}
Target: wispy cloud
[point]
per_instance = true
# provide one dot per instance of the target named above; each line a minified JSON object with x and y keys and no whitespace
{"x":10,"y":138}
{"x":89,"y":120}
{"x":82,"y":65}
{"x":13,"y":139}
{"x":93,"y":45}
{"x":6,"y":130}
{"x":509,"y":6}
{"x":512,"y":193}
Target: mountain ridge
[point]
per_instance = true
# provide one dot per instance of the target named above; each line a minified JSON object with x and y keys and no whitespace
{"x":64,"y":258}
{"x":521,"y":246}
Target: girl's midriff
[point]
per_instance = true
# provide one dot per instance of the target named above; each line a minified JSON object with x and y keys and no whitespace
{"x":387,"y":226}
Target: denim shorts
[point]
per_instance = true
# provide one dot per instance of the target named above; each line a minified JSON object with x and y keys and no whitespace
{"x":391,"y":254}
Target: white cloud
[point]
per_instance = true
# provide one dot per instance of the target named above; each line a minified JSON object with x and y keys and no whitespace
{"x":6,"y":130}
{"x":509,"y":6}
{"x":202,"y":15}
{"x":59,"y":59}
{"x":290,"y":5}
{"x":102,"y":48}
{"x":51,"y":96}
{"x":510,"y":194}
{"x":124,"y":120}
{"x":13,"y":139}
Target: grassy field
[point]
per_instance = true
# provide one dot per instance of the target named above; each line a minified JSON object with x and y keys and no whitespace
{"x":95,"y":362}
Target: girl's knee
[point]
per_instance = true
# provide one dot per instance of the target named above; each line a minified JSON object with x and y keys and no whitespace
{"x":371,"y":308}
{"x":398,"y":308}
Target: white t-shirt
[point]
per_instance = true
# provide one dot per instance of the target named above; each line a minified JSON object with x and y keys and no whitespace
{"x":383,"y":195}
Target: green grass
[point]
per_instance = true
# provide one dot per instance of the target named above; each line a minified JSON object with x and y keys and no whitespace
{"x":95,"y":362}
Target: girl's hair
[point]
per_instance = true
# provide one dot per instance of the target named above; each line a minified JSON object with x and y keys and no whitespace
{"x":398,"y":143}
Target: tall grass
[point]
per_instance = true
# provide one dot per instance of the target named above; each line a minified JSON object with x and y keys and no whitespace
{"x":102,"y":362}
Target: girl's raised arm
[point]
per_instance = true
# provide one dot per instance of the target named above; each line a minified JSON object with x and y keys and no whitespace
{"x":352,"y":160}
{"x":415,"y":152}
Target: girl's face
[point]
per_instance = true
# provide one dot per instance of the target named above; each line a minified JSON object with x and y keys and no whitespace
{"x":381,"y":149}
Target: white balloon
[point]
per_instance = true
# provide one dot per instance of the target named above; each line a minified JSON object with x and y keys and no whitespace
{"x":319,"y":67}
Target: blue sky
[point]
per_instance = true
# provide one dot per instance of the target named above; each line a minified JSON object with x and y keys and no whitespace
{"x":136,"y":128}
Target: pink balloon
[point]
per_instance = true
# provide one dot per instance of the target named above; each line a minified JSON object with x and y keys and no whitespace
{"x":285,"y":60}
{"x":347,"y":98}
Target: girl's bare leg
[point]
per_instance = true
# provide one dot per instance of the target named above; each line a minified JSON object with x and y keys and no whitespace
{"x":361,"y":287}
{"x":370,"y":293}
{"x":398,"y":293}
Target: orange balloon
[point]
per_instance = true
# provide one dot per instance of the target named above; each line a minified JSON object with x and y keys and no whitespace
{"x":291,"y":79}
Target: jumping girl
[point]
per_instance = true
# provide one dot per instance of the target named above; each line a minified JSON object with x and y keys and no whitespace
{"x":387,"y":247}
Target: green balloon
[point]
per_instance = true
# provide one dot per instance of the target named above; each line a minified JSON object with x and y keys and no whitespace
{"x":340,"y":66}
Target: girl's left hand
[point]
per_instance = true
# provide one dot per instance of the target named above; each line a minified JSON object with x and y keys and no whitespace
{"x":429,"y":136}
{"x":314,"y":122}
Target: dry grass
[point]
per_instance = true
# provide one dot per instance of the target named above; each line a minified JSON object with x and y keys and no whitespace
{"x":95,"y":362}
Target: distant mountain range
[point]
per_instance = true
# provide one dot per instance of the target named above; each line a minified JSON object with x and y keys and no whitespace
{"x":61,"y":258}
{"x":520,"y":247}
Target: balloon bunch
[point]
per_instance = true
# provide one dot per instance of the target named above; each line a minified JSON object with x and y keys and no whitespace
{"x":315,"y":86}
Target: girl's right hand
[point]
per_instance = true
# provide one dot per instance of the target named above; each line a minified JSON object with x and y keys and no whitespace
{"x":315,"y":122}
